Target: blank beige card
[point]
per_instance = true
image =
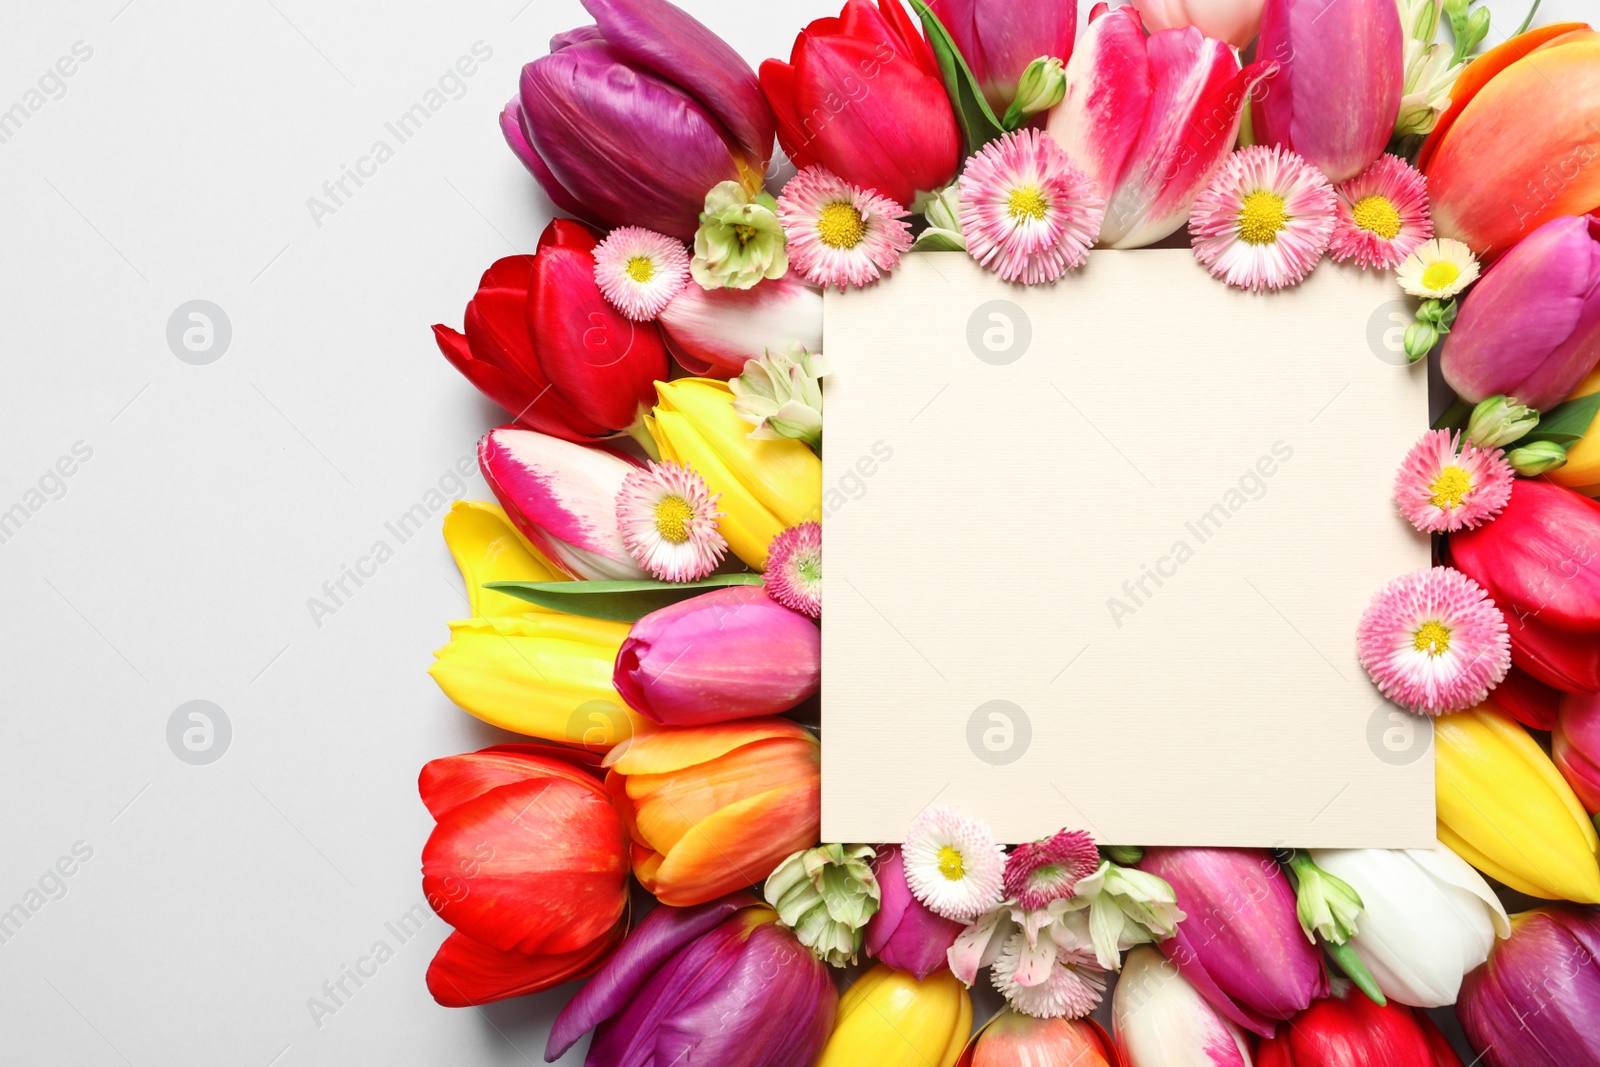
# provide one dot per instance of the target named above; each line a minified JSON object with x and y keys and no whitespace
{"x":1096,"y":554}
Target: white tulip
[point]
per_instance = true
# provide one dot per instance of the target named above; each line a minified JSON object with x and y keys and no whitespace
{"x":1428,"y":918}
{"x":1161,"y":1021}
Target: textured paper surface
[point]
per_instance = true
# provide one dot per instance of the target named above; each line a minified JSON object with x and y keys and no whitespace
{"x":1096,"y":554}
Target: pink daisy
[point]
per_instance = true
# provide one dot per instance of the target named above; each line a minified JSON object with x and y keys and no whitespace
{"x":1434,"y":642}
{"x":668,"y":522}
{"x":1027,"y":213}
{"x":1069,"y":986}
{"x":1042,"y":871}
{"x":794,"y":569}
{"x":1382,"y":215}
{"x":839,"y":233}
{"x":1440,"y":491}
{"x":1265,"y":219}
{"x":639,"y":271}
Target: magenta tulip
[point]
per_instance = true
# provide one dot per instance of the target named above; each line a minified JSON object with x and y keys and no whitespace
{"x":999,"y":38}
{"x":1531,"y":327}
{"x":1150,"y":119}
{"x":1536,"y":1002}
{"x":1575,"y":747}
{"x":1234,"y":22}
{"x":862,"y":95}
{"x":563,"y":498}
{"x":713,"y":332}
{"x":732,"y":653}
{"x":1240,"y":944}
{"x":632,"y":121}
{"x":904,"y":934}
{"x":719,"y":983}
{"x":1341,"y":73}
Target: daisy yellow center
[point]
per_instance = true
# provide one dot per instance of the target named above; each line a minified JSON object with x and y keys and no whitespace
{"x":950,"y":864}
{"x":1261,"y":216}
{"x":1451,"y":487}
{"x":641,"y":269}
{"x":840,"y":225}
{"x":1440,"y":275}
{"x":1027,"y":203}
{"x":1433,"y":638}
{"x":672,"y":519}
{"x":1376,"y":215}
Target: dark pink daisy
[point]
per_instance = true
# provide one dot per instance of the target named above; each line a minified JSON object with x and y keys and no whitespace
{"x":1042,"y":871}
{"x":1434,"y":642}
{"x":794,"y":569}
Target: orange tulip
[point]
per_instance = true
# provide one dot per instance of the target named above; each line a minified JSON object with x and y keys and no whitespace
{"x":1520,"y":143}
{"x":716,"y":808}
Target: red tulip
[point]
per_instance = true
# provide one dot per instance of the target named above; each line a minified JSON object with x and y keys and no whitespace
{"x":529,"y":863}
{"x":1575,"y":747}
{"x":861,"y":95}
{"x":1347,"y":1029}
{"x":1528,"y":700}
{"x":544,"y":344}
{"x":1540,"y":561}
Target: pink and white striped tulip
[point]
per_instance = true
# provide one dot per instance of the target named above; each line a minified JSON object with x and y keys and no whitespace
{"x":1161,"y":1021}
{"x":1341,"y":73}
{"x":1150,"y":119}
{"x":1232,"y":21}
{"x":563,"y":497}
{"x":712,"y":332}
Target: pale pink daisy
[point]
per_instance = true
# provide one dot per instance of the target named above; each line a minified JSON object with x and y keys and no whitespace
{"x":953,"y":864}
{"x":1042,"y":871}
{"x":1048,"y":982}
{"x":1382,"y":215}
{"x":668,"y":522}
{"x":1434,"y":642}
{"x":639,"y":271}
{"x":1265,"y":219}
{"x":1441,"y":490}
{"x":841,"y":234}
{"x":1027,"y":212}
{"x":794,"y":569}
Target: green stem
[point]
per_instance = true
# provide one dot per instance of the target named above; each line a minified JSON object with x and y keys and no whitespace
{"x":641,"y":433}
{"x":1356,"y":971}
{"x":1532,"y":11}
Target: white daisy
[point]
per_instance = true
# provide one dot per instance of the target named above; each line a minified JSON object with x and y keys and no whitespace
{"x":953,"y":864}
{"x":1438,"y":270}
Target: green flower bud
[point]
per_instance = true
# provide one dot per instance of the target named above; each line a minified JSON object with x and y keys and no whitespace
{"x":1123,"y":855}
{"x":1420,"y":339}
{"x":1042,"y":87}
{"x":781,"y":396}
{"x":944,"y":223}
{"x":740,"y":241}
{"x":1537,"y":457}
{"x":1500,"y":420}
{"x":826,"y":895}
{"x":1326,"y":905}
{"x":1477,"y":27}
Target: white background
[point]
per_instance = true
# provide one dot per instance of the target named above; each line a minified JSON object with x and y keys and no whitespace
{"x":177,"y":562}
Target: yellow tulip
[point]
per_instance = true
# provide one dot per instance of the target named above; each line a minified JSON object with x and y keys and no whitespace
{"x":1582,"y":470}
{"x":1504,"y":808}
{"x":487,"y":548}
{"x":889,"y":1019}
{"x":766,"y":486}
{"x":543,"y":674}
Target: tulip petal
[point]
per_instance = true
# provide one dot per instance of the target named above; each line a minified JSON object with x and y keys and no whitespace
{"x":663,"y":38}
{"x":1109,"y":91}
{"x":999,"y":38}
{"x":450,"y":781}
{"x":663,"y":751}
{"x":1540,"y":557}
{"x":740,"y":845}
{"x":513,"y":124}
{"x":494,"y":383}
{"x":715,"y":332}
{"x":487,"y":548}
{"x":465,"y":973}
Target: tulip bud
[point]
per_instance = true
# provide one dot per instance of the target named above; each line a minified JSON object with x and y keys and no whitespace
{"x":1537,"y":457}
{"x":826,"y":895}
{"x":1160,"y":1019}
{"x":1500,"y":420}
{"x":1536,"y":1003}
{"x":1011,"y":1039}
{"x":1575,"y":747}
{"x":1043,"y":86}
{"x":905,"y":934}
{"x":890,"y":1019}
{"x":1347,"y":1028}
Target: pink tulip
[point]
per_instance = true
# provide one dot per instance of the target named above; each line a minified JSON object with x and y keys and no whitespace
{"x":1340,"y":78}
{"x":1531,"y":327}
{"x":732,"y":653}
{"x":999,"y":38}
{"x":1575,"y":747}
{"x":712,"y":332}
{"x":904,"y":934}
{"x":1240,"y":945}
{"x":1150,"y":119}
{"x":1232,"y":21}
{"x":1536,"y":1003}
{"x":563,"y":497}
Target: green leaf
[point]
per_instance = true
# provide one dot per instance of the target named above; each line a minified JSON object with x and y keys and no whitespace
{"x":617,"y":601}
{"x":1356,"y":971}
{"x":1565,"y":424}
{"x":978,"y":122}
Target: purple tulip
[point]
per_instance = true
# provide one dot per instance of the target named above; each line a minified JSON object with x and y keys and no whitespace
{"x":718,"y":983}
{"x":731,"y":653}
{"x":904,"y":934}
{"x":999,"y":38}
{"x":1536,"y":1002}
{"x":1240,"y":944}
{"x":1340,"y":78}
{"x":1531,"y":327}
{"x":632,"y":121}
